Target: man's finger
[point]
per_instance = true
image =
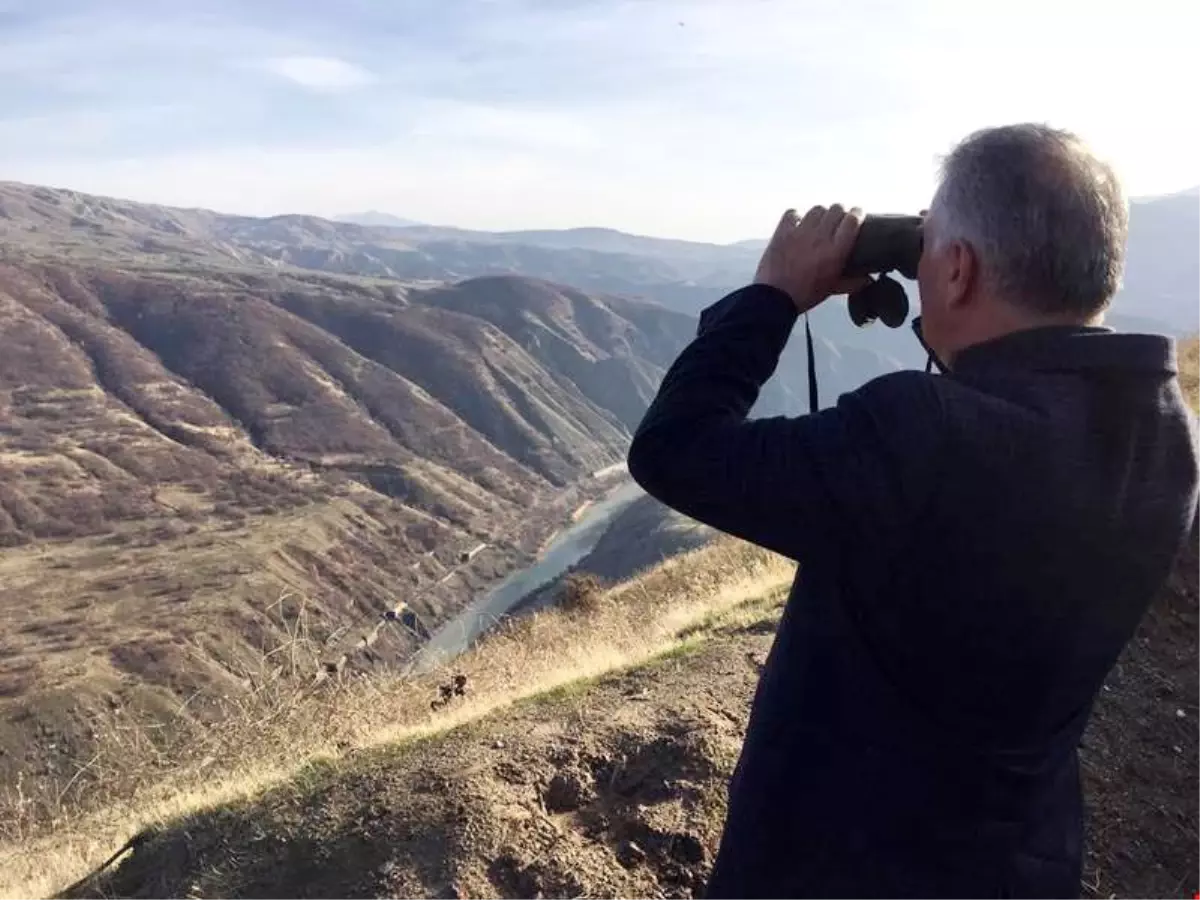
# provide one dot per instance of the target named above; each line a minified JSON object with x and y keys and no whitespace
{"x":787,"y":223}
{"x":832,"y":218}
{"x":813,"y":217}
{"x":847,"y":230}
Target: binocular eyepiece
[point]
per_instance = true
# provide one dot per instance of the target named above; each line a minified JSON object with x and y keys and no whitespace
{"x":885,"y":243}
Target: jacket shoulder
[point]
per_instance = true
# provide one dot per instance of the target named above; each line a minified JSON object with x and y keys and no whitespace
{"x":925,"y":391}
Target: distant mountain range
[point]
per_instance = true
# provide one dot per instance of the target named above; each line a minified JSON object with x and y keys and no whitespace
{"x":373,"y":217}
{"x":1159,"y":292}
{"x":1162,"y":273}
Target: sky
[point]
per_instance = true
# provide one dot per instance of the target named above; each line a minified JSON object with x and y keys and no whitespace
{"x":701,"y":119}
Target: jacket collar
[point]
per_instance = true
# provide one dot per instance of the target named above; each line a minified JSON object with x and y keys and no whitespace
{"x":1066,"y":348}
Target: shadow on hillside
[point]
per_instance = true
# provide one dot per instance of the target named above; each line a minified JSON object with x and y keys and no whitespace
{"x":401,"y":828}
{"x":283,"y":844}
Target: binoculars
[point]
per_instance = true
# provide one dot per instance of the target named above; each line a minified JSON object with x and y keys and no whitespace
{"x":885,"y":243}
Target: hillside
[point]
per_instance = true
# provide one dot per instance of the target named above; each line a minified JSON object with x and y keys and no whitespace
{"x":589,"y":755}
{"x":193,"y":465}
{"x":601,"y":769}
{"x":609,"y":787}
{"x":640,"y":537}
{"x":273,"y":731}
{"x":61,"y":225}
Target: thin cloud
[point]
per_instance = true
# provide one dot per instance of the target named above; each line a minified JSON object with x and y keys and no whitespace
{"x":533,"y":113}
{"x":320,"y":73}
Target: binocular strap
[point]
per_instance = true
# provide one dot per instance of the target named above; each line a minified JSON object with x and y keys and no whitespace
{"x":813,"y":402}
{"x":812,"y":368}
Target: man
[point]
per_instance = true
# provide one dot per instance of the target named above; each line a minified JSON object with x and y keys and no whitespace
{"x":975,"y":547}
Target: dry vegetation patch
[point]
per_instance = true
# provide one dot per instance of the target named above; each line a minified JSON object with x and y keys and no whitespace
{"x":271,"y":732}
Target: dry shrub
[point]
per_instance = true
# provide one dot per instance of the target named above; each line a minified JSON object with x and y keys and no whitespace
{"x":581,"y":593}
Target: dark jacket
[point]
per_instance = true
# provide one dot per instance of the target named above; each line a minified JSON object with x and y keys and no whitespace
{"x":975,"y":549}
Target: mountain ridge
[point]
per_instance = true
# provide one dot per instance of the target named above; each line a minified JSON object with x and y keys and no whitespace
{"x":1159,"y":286}
{"x":373,"y":217}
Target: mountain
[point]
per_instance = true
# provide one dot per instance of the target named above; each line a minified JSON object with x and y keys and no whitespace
{"x":1162,"y":271}
{"x":1159,"y":294}
{"x":198,"y":465}
{"x":374,"y":218}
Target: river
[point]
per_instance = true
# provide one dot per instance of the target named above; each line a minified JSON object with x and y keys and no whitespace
{"x":567,"y":548}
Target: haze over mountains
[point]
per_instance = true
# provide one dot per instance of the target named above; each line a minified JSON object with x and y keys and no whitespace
{"x":1162,"y":273}
{"x":1159,"y":293}
{"x":375,"y":217}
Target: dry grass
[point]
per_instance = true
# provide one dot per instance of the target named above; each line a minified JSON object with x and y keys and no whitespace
{"x":280,"y":726}
{"x":1189,"y":370}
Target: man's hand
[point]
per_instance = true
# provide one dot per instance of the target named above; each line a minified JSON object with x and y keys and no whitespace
{"x":805,"y":257}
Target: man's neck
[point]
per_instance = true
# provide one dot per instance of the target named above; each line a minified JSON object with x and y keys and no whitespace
{"x":1004,"y":319}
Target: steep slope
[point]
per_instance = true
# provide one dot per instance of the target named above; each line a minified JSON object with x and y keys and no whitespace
{"x":615,"y":352}
{"x":217,"y":434}
{"x":615,"y":785}
{"x":203,"y":468}
{"x":640,"y":538}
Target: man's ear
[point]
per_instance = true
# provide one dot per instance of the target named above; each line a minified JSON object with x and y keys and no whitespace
{"x":962,"y":275}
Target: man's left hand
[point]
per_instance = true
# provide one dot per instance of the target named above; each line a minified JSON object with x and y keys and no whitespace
{"x":805,"y":257}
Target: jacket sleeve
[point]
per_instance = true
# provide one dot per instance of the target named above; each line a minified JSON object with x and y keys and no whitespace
{"x":857,"y":471}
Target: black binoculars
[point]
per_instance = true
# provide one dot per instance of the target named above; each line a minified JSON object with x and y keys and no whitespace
{"x":885,"y":243}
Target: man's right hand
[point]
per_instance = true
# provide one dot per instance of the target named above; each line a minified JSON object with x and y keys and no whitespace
{"x":805,"y":257}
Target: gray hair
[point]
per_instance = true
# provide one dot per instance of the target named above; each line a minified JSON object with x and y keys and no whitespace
{"x":1047,"y":218}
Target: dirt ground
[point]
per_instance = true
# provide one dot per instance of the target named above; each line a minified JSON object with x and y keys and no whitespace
{"x":609,"y":788}
{"x":617,"y":788}
{"x":1140,"y":752}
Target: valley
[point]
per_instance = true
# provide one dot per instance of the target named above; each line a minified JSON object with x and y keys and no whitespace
{"x":245,"y":460}
{"x":206,"y":471}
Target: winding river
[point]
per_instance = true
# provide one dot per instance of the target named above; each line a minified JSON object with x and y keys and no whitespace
{"x":570,"y":546}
